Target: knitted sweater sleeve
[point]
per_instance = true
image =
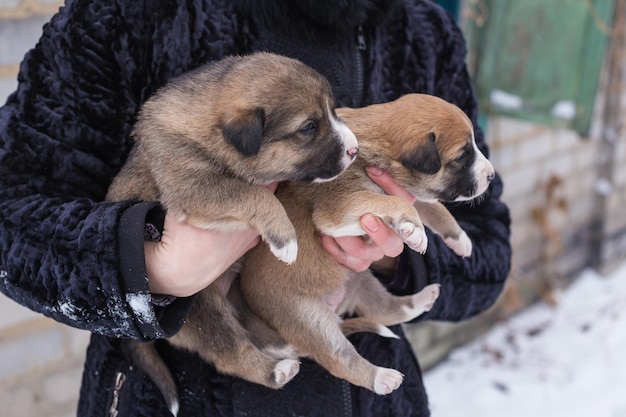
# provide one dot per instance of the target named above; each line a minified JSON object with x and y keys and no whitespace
{"x":468,"y":285}
{"x":64,"y":134}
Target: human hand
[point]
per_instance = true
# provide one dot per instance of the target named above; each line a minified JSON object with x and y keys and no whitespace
{"x":384,"y":244}
{"x":187,"y":259}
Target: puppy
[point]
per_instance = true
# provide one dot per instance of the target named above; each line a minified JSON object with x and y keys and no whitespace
{"x":207,"y":140}
{"x":206,"y":143}
{"x":428,"y":146}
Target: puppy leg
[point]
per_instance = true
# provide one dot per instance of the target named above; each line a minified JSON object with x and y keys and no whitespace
{"x":367,"y":297}
{"x":439,"y":219}
{"x":315,"y":331}
{"x":263,"y":336}
{"x":360,"y":324}
{"x":341,"y":216}
{"x":227,"y":210}
{"x":213,"y":331}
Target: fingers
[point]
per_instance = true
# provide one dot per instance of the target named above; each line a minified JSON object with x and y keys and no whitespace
{"x":187,"y":259}
{"x":385,"y":181}
{"x":384,"y":237}
{"x":358,"y":254}
{"x":351,"y":251}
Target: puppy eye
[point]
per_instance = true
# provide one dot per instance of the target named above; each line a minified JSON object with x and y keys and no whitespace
{"x":461,"y":157}
{"x":309,"y":127}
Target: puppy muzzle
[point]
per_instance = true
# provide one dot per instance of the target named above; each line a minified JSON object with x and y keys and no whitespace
{"x":349,"y":142}
{"x":484,"y":173}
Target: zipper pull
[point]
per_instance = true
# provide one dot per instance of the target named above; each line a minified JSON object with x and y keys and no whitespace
{"x":360,"y":39}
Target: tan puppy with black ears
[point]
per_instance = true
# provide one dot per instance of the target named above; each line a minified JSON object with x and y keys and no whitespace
{"x":206,"y":143}
{"x":208,"y":139}
{"x":428,"y":146}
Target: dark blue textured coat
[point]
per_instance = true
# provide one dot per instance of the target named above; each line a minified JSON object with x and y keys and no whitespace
{"x":64,"y":134}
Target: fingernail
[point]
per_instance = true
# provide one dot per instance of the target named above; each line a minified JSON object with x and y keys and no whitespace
{"x":370,"y":223}
{"x":374,"y":170}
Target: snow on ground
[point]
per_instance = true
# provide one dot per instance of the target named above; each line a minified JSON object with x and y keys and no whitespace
{"x":568,"y":360}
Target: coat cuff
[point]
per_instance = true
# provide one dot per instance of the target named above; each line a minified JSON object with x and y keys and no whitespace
{"x":154,"y":320}
{"x":411,"y":274}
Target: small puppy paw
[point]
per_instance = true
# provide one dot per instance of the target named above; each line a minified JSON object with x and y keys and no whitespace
{"x":425,"y":299}
{"x":461,"y":245}
{"x":286,"y":253}
{"x":387,"y":380}
{"x":285,"y":370}
{"x":413,"y":236}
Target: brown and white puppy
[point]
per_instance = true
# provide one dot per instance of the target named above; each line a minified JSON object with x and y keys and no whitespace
{"x":428,"y":146}
{"x":207,"y":140}
{"x":206,"y":143}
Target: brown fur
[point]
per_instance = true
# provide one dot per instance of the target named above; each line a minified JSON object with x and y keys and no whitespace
{"x":292,"y":299}
{"x":205,"y":145}
{"x":418,"y":139}
{"x":208,"y":139}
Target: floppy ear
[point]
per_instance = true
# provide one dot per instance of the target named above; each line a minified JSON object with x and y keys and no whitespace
{"x":425,"y":157}
{"x":245,"y":131}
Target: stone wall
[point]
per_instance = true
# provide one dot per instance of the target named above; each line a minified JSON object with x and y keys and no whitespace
{"x":20,"y":27}
{"x":40,"y":360}
{"x":567,"y":196}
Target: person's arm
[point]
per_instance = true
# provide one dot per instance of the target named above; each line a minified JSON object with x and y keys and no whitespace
{"x":64,"y":134}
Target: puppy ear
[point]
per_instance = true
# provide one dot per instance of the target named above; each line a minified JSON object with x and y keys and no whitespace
{"x":425,"y":157}
{"x":245,"y":131}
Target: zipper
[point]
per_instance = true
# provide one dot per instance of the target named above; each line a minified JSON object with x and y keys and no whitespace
{"x":359,"y":76}
{"x":347,"y":398}
{"x":120,"y":377}
{"x":360,"y":39}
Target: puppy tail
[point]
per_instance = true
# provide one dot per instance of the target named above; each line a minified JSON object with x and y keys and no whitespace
{"x":361,"y":324}
{"x":146,"y":357}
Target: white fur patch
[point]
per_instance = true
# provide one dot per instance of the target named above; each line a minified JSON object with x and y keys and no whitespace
{"x":348,"y":229}
{"x":423,"y":301}
{"x":287,"y":253}
{"x":387,"y":380}
{"x":285,"y":370}
{"x":461,"y":246}
{"x":175,"y":407}
{"x":413,"y":236}
{"x":386,"y":332}
{"x":346,"y":135}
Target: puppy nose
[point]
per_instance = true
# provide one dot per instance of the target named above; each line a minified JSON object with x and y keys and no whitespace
{"x":353,"y":151}
{"x":491,"y":176}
